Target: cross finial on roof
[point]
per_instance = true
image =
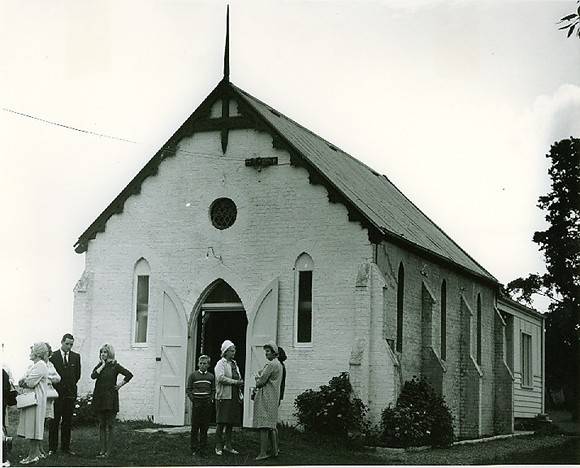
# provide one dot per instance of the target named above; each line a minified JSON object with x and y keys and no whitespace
{"x":227,"y":48}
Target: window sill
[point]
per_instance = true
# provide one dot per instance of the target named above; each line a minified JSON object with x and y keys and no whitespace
{"x":303,"y":345}
{"x":526,"y":387}
{"x":139,"y":345}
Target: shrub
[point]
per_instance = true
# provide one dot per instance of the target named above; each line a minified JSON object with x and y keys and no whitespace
{"x":331,"y":410}
{"x":83,"y":413}
{"x":420,"y":417}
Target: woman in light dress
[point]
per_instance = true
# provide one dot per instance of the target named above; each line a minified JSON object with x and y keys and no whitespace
{"x":266,"y":402}
{"x":31,"y":421}
{"x":228,"y":399}
{"x":51,"y":394}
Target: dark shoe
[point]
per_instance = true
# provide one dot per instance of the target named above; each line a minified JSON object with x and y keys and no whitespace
{"x":51,"y":452}
{"x":233,"y":451}
{"x":69,"y":452}
{"x":262,"y":457}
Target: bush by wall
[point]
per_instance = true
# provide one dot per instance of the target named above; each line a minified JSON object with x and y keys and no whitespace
{"x":333,"y":409}
{"x":420,"y":417}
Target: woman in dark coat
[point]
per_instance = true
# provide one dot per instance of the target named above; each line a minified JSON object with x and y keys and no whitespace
{"x":106,"y":395}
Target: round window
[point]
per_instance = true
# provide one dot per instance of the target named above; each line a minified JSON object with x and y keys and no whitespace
{"x":223,"y":213}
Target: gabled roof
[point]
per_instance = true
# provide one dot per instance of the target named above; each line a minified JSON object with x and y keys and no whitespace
{"x":504,"y":300}
{"x":371,"y":198}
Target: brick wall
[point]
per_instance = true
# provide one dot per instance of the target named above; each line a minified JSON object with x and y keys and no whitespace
{"x":432,"y":368}
{"x":504,"y":391}
{"x":280,"y":215}
{"x":423,"y":279}
{"x":470,"y":390}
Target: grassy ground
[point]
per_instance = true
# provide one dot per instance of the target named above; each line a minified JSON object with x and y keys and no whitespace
{"x":534,"y":449}
{"x":153,"y":449}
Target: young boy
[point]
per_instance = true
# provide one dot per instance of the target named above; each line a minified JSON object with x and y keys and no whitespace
{"x":200,"y":390}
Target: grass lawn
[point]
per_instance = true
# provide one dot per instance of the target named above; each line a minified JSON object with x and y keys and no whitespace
{"x":137,"y":448}
{"x":133,"y":448}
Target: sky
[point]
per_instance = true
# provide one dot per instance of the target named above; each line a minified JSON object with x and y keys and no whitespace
{"x":457,"y":102}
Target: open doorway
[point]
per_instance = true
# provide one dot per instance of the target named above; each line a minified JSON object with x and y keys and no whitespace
{"x":220,"y":317}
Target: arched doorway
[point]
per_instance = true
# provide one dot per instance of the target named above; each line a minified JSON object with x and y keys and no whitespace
{"x":221,"y":316}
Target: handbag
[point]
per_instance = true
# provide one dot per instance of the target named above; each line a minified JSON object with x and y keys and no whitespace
{"x":51,"y":394}
{"x":26,"y":400}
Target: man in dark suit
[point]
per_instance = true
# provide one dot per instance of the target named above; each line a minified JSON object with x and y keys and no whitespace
{"x":68,"y":364}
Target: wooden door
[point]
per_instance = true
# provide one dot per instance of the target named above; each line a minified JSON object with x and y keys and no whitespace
{"x":171,"y":363}
{"x":262,"y":327}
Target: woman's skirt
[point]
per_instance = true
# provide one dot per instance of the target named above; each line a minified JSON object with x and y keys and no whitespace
{"x":31,"y":423}
{"x":228,"y":412}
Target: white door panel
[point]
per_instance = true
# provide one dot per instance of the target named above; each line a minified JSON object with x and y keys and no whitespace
{"x":262,"y":327}
{"x":171,"y":358}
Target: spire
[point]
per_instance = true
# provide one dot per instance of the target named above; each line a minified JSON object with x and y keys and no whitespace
{"x":227,"y":48}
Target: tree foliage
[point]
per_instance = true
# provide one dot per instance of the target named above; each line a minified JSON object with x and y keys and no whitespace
{"x":572,"y":22}
{"x":560,"y":243}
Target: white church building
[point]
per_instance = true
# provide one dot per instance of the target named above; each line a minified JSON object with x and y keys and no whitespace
{"x":247,"y":226}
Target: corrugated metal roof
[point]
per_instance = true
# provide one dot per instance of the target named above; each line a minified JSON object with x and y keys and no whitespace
{"x":504,"y":302}
{"x":373,"y":194}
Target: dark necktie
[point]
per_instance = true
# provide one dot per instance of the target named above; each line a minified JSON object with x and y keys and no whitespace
{"x":66,"y":359}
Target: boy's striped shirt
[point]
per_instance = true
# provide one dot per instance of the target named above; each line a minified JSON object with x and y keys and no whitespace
{"x":201,"y":386}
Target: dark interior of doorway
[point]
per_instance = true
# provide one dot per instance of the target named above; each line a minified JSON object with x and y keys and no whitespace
{"x":221,"y":318}
{"x":220,"y":326}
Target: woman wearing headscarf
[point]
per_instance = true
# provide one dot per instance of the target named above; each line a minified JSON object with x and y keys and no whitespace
{"x":229,"y":383}
{"x":51,"y":394}
{"x":31,"y":421}
{"x":106,"y":395}
{"x":266,"y":402}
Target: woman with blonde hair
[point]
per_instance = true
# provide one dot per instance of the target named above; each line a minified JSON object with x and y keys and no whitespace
{"x":106,"y":395}
{"x":31,"y":421}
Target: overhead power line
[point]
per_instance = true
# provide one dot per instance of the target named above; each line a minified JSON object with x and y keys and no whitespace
{"x":164,"y":149}
{"x":67,"y":126}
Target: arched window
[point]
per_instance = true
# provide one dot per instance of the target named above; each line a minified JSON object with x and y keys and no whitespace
{"x":303,"y":300}
{"x":478,"y":338}
{"x":141,"y":300}
{"x":400,"y":303}
{"x":444,"y":320}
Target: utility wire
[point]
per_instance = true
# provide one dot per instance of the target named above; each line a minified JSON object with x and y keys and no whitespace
{"x":67,"y":126}
{"x":163,"y":150}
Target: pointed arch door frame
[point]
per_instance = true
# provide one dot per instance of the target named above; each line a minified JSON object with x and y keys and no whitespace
{"x":192,"y":327}
{"x":262,"y":327}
